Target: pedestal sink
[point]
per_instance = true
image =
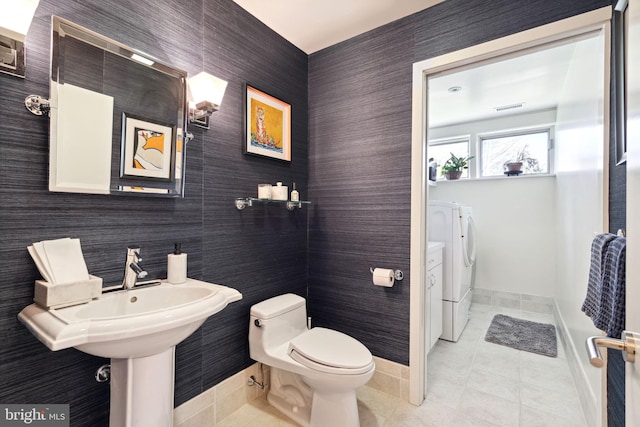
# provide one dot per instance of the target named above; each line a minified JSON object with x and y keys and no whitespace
{"x":138,"y":330}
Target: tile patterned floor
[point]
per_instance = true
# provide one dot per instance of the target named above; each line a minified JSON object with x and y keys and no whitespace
{"x":470,"y":383}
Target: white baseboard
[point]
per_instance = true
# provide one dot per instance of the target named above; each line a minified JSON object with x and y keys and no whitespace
{"x":587,"y":396}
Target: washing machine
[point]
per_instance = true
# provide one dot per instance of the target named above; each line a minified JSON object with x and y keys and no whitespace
{"x":452,"y":223}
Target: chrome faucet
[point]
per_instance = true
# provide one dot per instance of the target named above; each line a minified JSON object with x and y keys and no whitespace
{"x":132,"y":270}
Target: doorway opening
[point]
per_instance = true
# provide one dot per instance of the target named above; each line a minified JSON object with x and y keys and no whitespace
{"x":427,"y":75}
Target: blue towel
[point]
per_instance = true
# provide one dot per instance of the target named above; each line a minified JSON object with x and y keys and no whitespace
{"x":612,"y":310}
{"x":593,"y":299}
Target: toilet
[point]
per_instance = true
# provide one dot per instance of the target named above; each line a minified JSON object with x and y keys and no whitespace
{"x":314,"y":372}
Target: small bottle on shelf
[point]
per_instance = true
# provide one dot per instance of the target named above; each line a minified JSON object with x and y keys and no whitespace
{"x":294,"y":194}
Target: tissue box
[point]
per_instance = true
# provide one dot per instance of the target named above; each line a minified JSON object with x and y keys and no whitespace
{"x":57,"y":296}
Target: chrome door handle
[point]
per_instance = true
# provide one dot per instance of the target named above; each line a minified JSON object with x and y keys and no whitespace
{"x":627,"y":344}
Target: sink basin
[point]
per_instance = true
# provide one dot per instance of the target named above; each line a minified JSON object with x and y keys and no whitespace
{"x":130,"y":324}
{"x":137,"y":302}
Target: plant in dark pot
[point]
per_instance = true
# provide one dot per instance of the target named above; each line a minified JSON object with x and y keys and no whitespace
{"x":513,"y":166}
{"x":452,"y":168}
{"x":523,"y":158}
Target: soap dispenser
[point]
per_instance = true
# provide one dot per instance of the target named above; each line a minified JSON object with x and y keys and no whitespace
{"x":177,"y":266}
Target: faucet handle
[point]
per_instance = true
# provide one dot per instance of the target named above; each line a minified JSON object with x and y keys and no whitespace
{"x":140,"y":272}
{"x":134,"y":251}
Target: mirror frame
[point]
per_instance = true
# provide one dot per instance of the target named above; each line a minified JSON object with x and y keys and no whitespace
{"x":144,"y":182}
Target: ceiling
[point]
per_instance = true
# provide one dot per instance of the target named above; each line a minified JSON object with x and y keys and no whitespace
{"x":534,"y":79}
{"x":312,"y":25}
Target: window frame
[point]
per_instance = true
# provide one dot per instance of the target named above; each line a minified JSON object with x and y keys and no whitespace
{"x":456,"y":140}
{"x":549,"y":129}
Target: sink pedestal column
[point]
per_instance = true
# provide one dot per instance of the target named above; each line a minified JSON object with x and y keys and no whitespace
{"x":142,"y":391}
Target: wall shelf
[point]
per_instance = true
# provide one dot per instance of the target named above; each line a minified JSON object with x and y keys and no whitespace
{"x":243,"y":202}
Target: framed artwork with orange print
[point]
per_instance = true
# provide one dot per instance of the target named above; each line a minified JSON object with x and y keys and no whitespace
{"x":147,"y":148}
{"x":267,"y":125}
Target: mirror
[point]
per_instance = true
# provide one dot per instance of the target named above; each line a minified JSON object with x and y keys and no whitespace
{"x":118,"y":117}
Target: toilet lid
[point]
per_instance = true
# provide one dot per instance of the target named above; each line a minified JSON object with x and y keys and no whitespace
{"x":330,"y":351}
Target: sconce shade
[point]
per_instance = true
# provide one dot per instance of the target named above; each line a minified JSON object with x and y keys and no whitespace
{"x":205,"y":96}
{"x":207,"y":88}
{"x":16,"y":18}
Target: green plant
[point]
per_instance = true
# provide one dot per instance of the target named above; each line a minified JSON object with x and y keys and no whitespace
{"x":455,"y":163}
{"x":529,"y":163}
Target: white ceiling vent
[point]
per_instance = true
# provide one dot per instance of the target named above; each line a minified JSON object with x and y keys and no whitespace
{"x":509,"y":107}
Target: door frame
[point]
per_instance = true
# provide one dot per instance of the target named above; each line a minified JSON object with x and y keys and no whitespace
{"x":574,"y":26}
{"x":632,"y":370}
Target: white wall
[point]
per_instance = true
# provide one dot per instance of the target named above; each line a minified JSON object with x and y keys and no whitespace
{"x":515,"y":216}
{"x":515,"y":222}
{"x":580,"y":203}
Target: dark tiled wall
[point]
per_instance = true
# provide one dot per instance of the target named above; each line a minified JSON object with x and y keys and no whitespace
{"x":261,"y":251}
{"x":360,"y":156}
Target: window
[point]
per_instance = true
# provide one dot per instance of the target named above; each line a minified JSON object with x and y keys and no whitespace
{"x":530,"y":148}
{"x":440,"y":151}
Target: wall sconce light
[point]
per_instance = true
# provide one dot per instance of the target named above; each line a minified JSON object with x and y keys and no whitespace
{"x":205,"y":96}
{"x":14,"y":25}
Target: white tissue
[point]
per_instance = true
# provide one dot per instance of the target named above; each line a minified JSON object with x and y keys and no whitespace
{"x":42,"y":264}
{"x":383,"y":277}
{"x":60,"y":261}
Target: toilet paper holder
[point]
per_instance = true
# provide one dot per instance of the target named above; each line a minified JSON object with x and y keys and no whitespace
{"x":397,"y":274}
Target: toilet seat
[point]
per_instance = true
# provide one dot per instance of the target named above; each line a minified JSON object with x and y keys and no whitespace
{"x":330,"y":351}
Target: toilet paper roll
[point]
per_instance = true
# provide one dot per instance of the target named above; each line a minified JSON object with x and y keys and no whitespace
{"x":383,"y":277}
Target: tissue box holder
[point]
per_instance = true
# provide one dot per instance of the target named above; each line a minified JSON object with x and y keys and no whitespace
{"x":57,"y":296}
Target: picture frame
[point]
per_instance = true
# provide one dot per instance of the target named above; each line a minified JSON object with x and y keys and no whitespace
{"x":148,"y":149}
{"x":267,"y":125}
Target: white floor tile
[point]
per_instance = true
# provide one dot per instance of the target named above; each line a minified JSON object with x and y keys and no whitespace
{"x":557,"y":401}
{"x":485,"y":407}
{"x":497,"y":362}
{"x":495,"y":385}
{"x":441,"y":390}
{"x":534,"y":418}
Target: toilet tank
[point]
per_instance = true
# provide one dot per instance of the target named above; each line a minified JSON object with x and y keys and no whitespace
{"x":280,"y":318}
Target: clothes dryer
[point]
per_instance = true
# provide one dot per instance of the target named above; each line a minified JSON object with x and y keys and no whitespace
{"x":452,"y":223}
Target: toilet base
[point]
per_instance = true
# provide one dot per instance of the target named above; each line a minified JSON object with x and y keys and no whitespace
{"x":326,"y":410}
{"x":335,"y":409}
{"x":292,"y":395}
{"x":301,"y":415}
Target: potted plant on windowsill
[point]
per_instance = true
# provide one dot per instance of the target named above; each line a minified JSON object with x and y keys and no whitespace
{"x":513,"y":166}
{"x":522,"y":159}
{"x":452,"y":168}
